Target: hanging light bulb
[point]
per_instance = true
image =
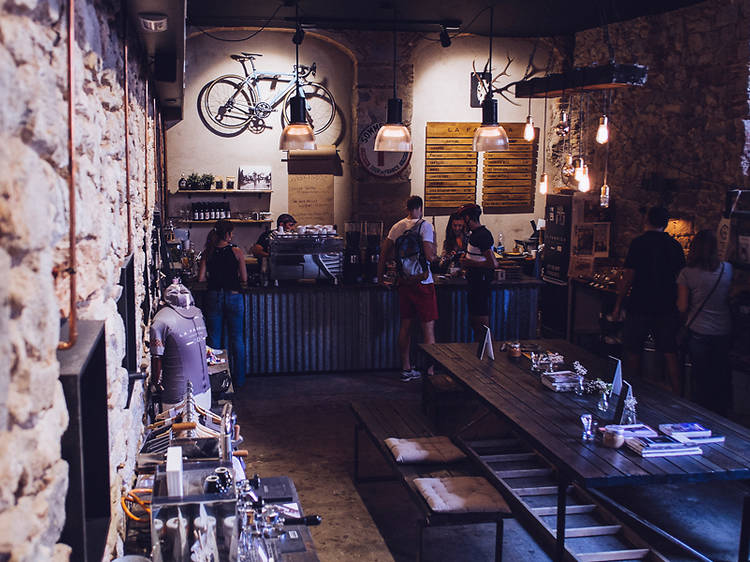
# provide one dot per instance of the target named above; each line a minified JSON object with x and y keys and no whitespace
{"x":543,"y":184}
{"x":604,"y":196}
{"x":394,"y":136}
{"x":584,"y":185}
{"x":568,"y":170}
{"x":490,"y":136}
{"x":528,"y":130}
{"x":563,"y":127}
{"x":602,"y":133}
{"x":298,"y":134}
{"x":578,"y":169}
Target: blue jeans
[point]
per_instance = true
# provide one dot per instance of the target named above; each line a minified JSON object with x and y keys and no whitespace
{"x":226,"y":309}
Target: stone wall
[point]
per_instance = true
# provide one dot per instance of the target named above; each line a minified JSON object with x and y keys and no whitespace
{"x":682,"y":139}
{"x":33,"y":244}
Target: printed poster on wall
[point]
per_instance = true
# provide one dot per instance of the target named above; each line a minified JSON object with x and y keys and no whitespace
{"x":311,"y":198}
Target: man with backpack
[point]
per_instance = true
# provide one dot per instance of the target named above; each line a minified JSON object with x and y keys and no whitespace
{"x":412,"y":242}
{"x":480,"y":264}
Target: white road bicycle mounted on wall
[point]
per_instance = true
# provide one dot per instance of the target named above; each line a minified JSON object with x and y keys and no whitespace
{"x":232,"y":102}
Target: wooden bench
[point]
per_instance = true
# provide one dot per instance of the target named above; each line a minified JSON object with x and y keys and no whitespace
{"x":381,"y":420}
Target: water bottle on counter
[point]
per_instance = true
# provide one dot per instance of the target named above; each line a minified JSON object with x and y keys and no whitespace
{"x":500,"y":247}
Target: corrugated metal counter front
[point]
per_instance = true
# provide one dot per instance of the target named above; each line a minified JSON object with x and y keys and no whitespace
{"x":313,"y":328}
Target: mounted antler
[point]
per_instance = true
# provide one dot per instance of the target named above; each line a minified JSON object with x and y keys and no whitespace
{"x":531,"y":70}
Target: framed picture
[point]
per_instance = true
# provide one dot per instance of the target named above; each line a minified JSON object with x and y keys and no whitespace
{"x":479,"y":84}
{"x":601,"y":239}
{"x":254,"y":178}
{"x":583,"y":240}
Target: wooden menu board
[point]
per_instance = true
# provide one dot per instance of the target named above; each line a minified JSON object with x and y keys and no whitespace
{"x":450,"y":167}
{"x":509,"y":183}
{"x":311,"y":198}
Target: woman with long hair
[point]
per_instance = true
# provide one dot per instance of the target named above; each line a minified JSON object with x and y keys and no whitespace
{"x":703,"y":295}
{"x":222,"y":265}
{"x":454,"y":245}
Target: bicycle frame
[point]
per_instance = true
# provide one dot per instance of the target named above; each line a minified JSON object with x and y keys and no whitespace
{"x":251,"y":80}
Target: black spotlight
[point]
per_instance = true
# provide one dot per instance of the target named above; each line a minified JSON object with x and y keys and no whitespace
{"x":298,"y":36}
{"x":445,"y":39}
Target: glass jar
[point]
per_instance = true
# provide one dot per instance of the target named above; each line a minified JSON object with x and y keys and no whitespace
{"x":603,"y":404}
{"x":614,"y":438}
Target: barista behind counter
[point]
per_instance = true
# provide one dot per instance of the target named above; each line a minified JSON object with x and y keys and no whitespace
{"x":262,"y":246}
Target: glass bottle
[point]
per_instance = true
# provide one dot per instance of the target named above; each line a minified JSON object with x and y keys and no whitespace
{"x":603,"y":404}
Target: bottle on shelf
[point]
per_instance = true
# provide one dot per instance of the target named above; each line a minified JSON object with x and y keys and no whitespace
{"x":182,"y":182}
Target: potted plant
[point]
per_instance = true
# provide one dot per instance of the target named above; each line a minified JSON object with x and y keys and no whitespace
{"x":206,"y":180}
{"x":193,"y":181}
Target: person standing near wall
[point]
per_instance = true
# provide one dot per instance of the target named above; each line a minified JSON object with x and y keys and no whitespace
{"x":416,"y":289}
{"x":454,"y":245}
{"x":703,"y":294}
{"x":480,"y":263}
{"x":178,"y":350}
{"x":223,"y":266}
{"x":654,"y":259}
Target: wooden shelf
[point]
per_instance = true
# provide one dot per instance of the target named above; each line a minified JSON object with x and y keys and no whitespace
{"x":213,"y":221}
{"x":221,"y":191}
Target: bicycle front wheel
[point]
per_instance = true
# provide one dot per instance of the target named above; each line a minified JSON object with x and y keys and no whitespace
{"x":321,"y":108}
{"x":227,"y":103}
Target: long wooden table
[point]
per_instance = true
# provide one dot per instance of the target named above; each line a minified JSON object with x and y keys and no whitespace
{"x":550,"y":423}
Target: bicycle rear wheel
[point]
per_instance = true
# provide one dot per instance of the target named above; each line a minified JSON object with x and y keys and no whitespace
{"x":227,"y":103}
{"x":321,"y":108}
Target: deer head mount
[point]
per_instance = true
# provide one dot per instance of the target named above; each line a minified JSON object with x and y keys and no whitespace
{"x":492,"y":88}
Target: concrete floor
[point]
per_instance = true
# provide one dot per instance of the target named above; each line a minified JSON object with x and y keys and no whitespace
{"x":301,"y":426}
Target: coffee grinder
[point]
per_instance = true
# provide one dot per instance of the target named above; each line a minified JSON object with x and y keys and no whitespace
{"x":353,"y":253}
{"x":374,"y":234}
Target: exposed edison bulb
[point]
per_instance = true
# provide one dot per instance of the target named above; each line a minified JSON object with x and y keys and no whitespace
{"x":568,"y":169}
{"x":543,"y":184}
{"x":604,"y":196}
{"x":528,"y":130}
{"x":602,"y":133}
{"x":584,"y":185}
{"x":578,"y":169}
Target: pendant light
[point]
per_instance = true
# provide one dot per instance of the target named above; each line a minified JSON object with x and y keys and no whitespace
{"x":584,"y":185}
{"x":544,"y":182}
{"x":602,"y":133}
{"x":394,"y":136}
{"x":490,"y":136}
{"x":298,"y":134}
{"x":528,"y":130}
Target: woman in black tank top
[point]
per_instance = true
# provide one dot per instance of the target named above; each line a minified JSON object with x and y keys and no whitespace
{"x":223,"y":267}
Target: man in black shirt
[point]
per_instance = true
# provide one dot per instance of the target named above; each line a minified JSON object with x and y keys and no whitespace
{"x":651,"y":267}
{"x":261,"y":249}
{"x":480,"y":264}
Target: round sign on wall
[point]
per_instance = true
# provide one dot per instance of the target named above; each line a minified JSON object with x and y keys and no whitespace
{"x":382,"y":164}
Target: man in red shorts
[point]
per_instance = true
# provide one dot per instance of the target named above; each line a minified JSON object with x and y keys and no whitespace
{"x":412,"y":240}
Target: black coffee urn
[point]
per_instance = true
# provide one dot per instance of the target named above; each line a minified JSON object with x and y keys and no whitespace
{"x":353,"y":253}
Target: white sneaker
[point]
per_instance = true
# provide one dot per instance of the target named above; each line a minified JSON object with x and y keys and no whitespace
{"x":410,"y":375}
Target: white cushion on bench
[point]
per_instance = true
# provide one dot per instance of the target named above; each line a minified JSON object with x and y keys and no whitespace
{"x":460,"y":494}
{"x":424,"y":450}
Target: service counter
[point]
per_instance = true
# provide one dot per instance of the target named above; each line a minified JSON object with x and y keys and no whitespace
{"x":301,"y":328}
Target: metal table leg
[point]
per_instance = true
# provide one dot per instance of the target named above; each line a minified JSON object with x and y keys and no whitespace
{"x":744,"y":552}
{"x":562,"y":496}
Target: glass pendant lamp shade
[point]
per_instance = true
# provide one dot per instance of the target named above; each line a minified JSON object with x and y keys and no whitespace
{"x":393,"y":136}
{"x":297,"y":135}
{"x":490,"y":137}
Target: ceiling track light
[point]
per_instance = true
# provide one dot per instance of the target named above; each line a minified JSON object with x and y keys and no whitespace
{"x":394,"y":136}
{"x":445,"y":38}
{"x":490,"y":136}
{"x":298,"y":134}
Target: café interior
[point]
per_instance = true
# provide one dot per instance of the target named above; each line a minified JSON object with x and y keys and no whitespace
{"x":581,"y":390}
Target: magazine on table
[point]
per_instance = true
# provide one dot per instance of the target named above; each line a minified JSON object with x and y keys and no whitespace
{"x":661,"y":446}
{"x":688,"y":429}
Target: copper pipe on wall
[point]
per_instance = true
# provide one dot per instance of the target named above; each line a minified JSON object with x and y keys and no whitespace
{"x":126,"y":103}
{"x":73,"y":332}
{"x":145,"y":148}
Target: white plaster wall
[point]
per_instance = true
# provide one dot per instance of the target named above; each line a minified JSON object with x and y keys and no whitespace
{"x":441,"y":93}
{"x":193,"y":147}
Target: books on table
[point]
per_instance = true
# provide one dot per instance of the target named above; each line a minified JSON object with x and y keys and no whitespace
{"x":661,"y":446}
{"x":690,"y":433}
{"x":691,"y":429}
{"x":634,"y":430}
{"x":560,"y":381}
